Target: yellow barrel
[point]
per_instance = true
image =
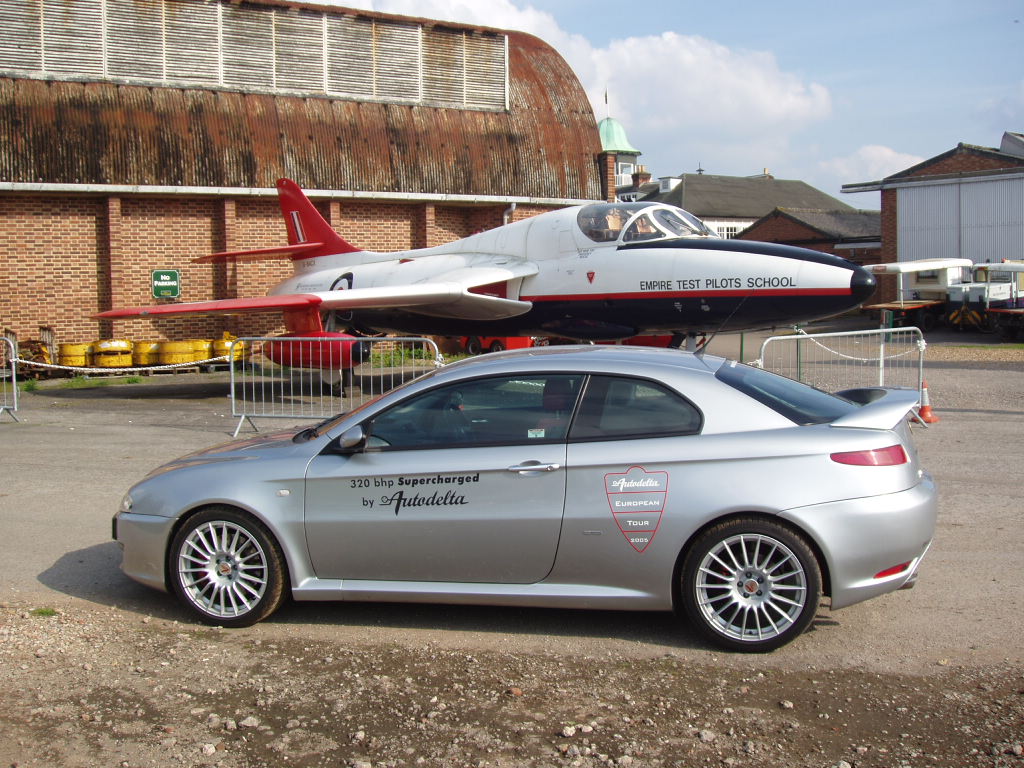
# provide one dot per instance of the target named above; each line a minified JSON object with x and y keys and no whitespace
{"x":222,"y":348}
{"x":176,"y":352}
{"x":74,"y":354}
{"x":146,"y":352}
{"x":202,"y":349}
{"x":112,"y":353}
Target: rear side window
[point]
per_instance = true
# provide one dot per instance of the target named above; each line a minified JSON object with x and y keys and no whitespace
{"x":616,"y":408}
{"x":797,"y":402}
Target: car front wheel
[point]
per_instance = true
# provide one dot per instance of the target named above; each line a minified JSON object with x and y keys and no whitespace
{"x":226,"y":569}
{"x":750,"y":585}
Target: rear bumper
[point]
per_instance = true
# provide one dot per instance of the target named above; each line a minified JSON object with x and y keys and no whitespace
{"x":860,"y":538}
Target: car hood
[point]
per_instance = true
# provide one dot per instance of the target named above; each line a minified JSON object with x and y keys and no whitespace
{"x":276,"y":444}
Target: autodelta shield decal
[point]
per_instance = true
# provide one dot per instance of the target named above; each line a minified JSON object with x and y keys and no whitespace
{"x":637,"y":500}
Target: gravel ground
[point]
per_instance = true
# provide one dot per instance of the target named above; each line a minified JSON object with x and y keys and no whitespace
{"x":85,"y":687}
{"x":104,"y":672}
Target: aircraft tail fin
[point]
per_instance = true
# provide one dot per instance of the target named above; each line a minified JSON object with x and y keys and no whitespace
{"x":305,"y":224}
{"x":309,"y":235}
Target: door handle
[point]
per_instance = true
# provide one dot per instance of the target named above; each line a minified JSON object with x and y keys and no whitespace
{"x":534,"y":466}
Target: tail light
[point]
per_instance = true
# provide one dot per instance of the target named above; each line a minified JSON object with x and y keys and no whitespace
{"x":875,"y":457}
{"x":894,"y":570}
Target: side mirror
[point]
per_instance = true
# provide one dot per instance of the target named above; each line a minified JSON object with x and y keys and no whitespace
{"x":352,"y":439}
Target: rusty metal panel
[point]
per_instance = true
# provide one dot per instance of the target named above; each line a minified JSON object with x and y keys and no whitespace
{"x":544,"y":145}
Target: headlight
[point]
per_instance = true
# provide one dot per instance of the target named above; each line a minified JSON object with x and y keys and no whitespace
{"x":126,"y":504}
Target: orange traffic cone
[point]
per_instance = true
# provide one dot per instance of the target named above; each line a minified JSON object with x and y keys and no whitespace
{"x":925,"y":411}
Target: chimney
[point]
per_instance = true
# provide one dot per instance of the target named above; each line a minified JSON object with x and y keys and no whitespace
{"x":641,"y":176}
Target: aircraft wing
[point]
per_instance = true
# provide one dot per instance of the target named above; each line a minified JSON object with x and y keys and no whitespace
{"x":921,"y":265}
{"x":450,"y":295}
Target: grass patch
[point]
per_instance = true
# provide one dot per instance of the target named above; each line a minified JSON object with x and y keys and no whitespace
{"x":84,"y":382}
{"x":43,"y":612}
{"x":29,"y":385}
{"x":391,"y":358}
{"x":81,"y":382}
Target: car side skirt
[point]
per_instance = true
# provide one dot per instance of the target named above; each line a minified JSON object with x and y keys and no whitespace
{"x":542,"y":594}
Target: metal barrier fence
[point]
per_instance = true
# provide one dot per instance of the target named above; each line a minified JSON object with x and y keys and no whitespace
{"x":835,"y":361}
{"x":334,"y":376}
{"x":8,"y":378}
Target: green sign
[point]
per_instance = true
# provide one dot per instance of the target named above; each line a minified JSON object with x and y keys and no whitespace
{"x":166,"y":284}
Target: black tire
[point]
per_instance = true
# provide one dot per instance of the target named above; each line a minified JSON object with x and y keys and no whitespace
{"x":925,"y":320}
{"x":497,"y":346}
{"x":732,"y":591}
{"x":226,"y":568}
{"x":473,"y":346}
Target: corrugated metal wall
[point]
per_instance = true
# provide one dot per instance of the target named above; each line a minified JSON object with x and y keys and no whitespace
{"x":978,"y":220}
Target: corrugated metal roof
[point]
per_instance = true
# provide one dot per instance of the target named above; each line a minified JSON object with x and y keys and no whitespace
{"x":750,"y":197}
{"x":544,"y":145}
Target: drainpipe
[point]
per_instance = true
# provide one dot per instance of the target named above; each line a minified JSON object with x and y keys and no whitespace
{"x":507,"y":215}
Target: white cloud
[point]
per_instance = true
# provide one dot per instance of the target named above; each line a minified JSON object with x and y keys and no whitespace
{"x":1004,"y":111}
{"x":682,"y":99}
{"x":869,"y":163}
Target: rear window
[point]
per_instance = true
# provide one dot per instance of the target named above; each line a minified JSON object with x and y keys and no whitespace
{"x":797,"y":402}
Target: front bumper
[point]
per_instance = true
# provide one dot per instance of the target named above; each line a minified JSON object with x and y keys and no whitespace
{"x":143,"y":539}
{"x":860,"y":538}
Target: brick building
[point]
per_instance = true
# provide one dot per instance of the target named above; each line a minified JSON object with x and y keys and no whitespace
{"x":965,"y":203}
{"x":730,"y":204}
{"x":854,"y":235}
{"x":136,"y":135}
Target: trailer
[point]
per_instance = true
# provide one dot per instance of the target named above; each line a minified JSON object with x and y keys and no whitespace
{"x":954,"y":292}
{"x":922,"y":290}
{"x":1006,"y":316}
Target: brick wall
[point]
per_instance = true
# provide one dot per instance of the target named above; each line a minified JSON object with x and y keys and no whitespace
{"x":66,"y":258}
{"x":964,"y":160}
{"x":50,"y":273}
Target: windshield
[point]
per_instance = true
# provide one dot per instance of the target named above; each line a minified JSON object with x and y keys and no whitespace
{"x":638,"y":222}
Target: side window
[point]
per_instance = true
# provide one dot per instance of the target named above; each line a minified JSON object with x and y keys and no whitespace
{"x":501,"y":410}
{"x":617,"y":408}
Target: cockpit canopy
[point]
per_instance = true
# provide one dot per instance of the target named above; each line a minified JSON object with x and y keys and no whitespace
{"x":638,"y":222}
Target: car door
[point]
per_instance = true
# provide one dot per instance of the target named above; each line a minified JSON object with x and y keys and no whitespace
{"x":464,"y":482}
{"x":634,"y":454}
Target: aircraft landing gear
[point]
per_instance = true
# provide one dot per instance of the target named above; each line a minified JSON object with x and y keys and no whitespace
{"x":687,"y":341}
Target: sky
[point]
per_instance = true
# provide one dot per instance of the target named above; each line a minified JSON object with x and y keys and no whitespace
{"x":823,"y":92}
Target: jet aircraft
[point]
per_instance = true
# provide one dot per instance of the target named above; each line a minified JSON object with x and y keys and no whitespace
{"x":595,"y":272}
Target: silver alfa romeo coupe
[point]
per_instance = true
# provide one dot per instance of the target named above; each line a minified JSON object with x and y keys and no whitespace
{"x":580,"y":477}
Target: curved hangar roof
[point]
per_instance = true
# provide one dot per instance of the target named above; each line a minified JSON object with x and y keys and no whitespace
{"x":222,"y":94}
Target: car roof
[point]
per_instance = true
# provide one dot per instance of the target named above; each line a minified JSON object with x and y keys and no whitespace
{"x":621,"y":359}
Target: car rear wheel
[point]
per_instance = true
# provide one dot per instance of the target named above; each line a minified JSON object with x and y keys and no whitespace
{"x":750,"y":585}
{"x":226,"y":568}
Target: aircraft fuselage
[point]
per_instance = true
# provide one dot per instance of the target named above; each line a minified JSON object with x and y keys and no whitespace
{"x":580,"y":288}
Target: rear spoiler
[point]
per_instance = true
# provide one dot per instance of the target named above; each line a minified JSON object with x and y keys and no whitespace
{"x":880,"y":408}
